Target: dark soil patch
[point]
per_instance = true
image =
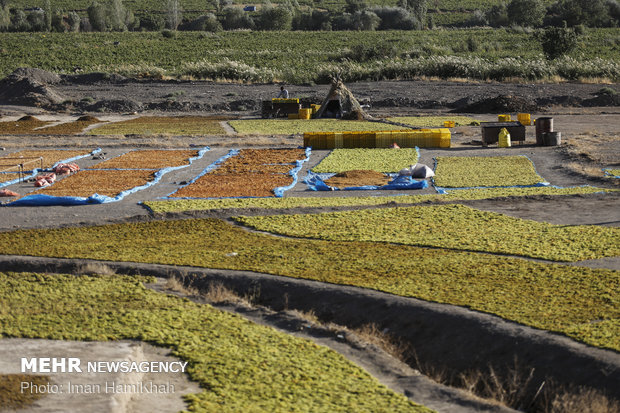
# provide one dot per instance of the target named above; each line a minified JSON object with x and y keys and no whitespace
{"x":501,"y":104}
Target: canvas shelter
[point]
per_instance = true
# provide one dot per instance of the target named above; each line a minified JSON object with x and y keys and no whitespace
{"x":340,"y":103}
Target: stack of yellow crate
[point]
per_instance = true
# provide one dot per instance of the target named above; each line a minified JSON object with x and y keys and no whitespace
{"x":423,"y":138}
{"x":281,"y":100}
{"x":305,"y":113}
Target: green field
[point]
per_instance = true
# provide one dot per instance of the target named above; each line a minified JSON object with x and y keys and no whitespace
{"x":380,"y":160}
{"x":449,"y":226}
{"x":298,"y":57}
{"x":480,"y":171}
{"x":240,"y":365}
{"x":294,"y":202}
{"x":580,"y":302}
{"x":297,"y":126}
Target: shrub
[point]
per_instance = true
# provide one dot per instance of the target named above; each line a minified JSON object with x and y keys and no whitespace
{"x":36,"y":21}
{"x":527,"y":13}
{"x":478,"y":19}
{"x":228,"y":70}
{"x":365,"y":20}
{"x":396,"y":18}
{"x":169,"y":34}
{"x":152,"y":23}
{"x":275,"y":18}
{"x":73,"y":21}
{"x":353,"y":6}
{"x":19,"y":22}
{"x":234,"y":18}
{"x":97,"y":17}
{"x":315,"y":20}
{"x":592,"y":13}
{"x":58,"y":23}
{"x":367,"y":52}
{"x":497,"y":16}
{"x":557,"y":41}
{"x":5,"y":17}
{"x":205,"y":23}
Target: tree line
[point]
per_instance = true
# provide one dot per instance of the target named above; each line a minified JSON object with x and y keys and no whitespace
{"x":112,"y":15}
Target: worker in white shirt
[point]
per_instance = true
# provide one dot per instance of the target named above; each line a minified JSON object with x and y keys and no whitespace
{"x":283,"y":93}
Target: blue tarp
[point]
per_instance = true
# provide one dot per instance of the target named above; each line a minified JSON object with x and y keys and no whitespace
{"x":316,"y":182}
{"x":279,"y":192}
{"x":607,"y":173}
{"x":49,"y":200}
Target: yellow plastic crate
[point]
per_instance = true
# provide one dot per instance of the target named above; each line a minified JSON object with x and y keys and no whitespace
{"x":503,"y":118}
{"x":304,"y":113}
{"x":282,"y":100}
{"x":524,"y":118}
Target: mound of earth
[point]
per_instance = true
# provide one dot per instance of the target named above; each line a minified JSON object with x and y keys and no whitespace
{"x":501,"y":103}
{"x":95,"y":77}
{"x":112,"y":105}
{"x":30,"y":87}
{"x":88,"y":118}
{"x":357,"y":177}
{"x":37,"y":75}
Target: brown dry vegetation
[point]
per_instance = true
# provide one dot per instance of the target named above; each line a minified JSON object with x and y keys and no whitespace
{"x":109,"y":183}
{"x":11,"y":396}
{"x":251,"y":173}
{"x":234,"y":185}
{"x":149,"y":159}
{"x":25,"y":125}
{"x":157,"y":125}
{"x":69,"y":128}
{"x":50,"y":157}
{"x":357,"y":178}
{"x":5,"y":177}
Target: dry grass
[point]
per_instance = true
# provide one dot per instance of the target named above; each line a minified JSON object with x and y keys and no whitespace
{"x":93,"y":268}
{"x":309,"y":316}
{"x":176,"y":283}
{"x":584,"y":169}
{"x":370,"y":333}
{"x":595,"y":147}
{"x":219,"y":294}
{"x":583,"y":400}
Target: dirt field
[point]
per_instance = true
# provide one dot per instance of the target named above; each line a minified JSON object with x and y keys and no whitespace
{"x":589,"y":126}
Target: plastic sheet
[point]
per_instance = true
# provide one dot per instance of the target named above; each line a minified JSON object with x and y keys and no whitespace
{"x":316,"y":182}
{"x":50,"y":200}
{"x":279,"y":192}
{"x":608,"y":173}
